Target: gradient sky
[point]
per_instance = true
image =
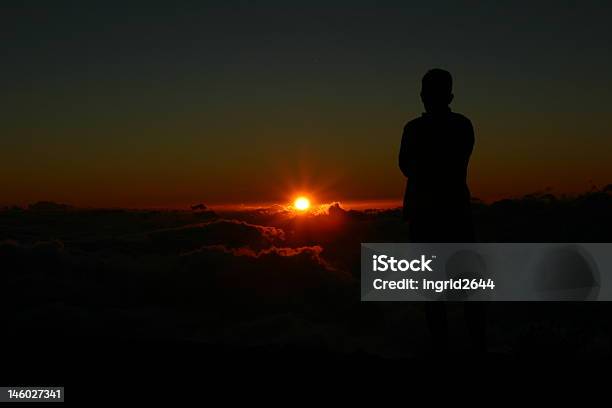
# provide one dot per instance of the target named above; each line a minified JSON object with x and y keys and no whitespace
{"x":227,"y":102}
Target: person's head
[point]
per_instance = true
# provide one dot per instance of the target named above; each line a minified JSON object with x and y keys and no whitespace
{"x":436,"y":89}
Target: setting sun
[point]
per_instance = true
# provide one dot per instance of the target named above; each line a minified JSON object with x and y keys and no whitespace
{"x":301,"y":203}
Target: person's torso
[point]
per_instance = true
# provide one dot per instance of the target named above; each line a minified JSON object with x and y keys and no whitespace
{"x":442,"y":146}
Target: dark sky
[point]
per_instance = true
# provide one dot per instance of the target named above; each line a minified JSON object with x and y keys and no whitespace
{"x":151,"y":105}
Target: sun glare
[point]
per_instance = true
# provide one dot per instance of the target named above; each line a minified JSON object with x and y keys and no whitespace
{"x":301,"y":203}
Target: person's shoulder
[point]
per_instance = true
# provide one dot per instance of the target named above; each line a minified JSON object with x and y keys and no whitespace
{"x":461,"y":118}
{"x":413,"y":123}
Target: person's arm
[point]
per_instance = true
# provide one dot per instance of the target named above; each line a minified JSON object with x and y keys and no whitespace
{"x":407,"y":153}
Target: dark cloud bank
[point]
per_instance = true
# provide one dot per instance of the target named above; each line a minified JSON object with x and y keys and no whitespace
{"x":267,"y":281}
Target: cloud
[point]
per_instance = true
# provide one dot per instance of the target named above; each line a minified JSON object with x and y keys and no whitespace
{"x":48,"y":206}
{"x":177,"y":273}
{"x":312,"y":252}
{"x":231,"y":233}
{"x":275,"y":273}
{"x":43,"y":256}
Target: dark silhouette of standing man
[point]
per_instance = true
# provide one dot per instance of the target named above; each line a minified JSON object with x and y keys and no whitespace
{"x":434,"y":156}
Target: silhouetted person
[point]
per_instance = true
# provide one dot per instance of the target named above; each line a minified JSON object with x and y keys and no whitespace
{"x":434,"y":156}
